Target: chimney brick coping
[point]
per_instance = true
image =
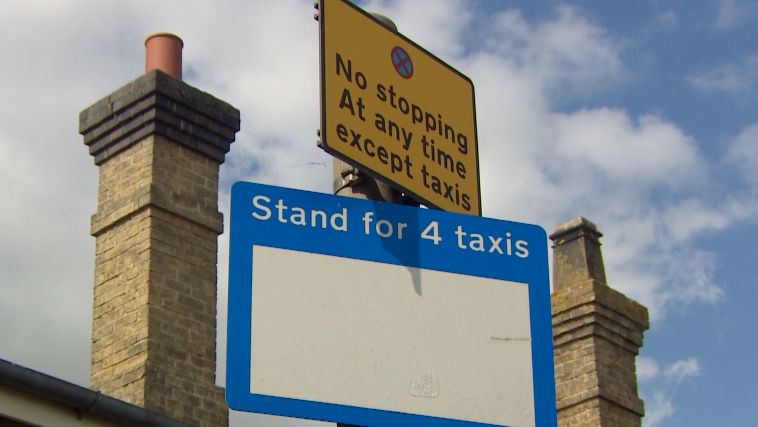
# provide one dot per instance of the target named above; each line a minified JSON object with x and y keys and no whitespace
{"x":165,"y":106}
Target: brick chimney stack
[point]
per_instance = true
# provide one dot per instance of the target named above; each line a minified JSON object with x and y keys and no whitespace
{"x":597,"y":334}
{"x":158,"y":143}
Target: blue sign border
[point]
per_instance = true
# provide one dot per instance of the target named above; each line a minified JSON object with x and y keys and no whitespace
{"x":247,"y":231}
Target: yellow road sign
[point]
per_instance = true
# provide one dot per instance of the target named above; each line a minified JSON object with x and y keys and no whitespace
{"x":396,"y":111}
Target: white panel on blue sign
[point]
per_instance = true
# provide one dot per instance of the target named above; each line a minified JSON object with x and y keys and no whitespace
{"x":374,"y":314}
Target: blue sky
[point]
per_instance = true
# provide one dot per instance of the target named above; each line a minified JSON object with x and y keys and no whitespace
{"x":638,"y":115}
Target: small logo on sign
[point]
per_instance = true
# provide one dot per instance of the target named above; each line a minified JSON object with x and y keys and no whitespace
{"x":402,"y":62}
{"x":425,"y":385}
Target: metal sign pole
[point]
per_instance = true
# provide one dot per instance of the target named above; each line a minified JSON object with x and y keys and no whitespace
{"x":351,"y":182}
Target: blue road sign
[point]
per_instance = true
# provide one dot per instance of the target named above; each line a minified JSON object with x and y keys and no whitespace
{"x":375,"y":314}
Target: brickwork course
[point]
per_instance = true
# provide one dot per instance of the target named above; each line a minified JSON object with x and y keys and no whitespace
{"x":158,"y":143}
{"x":597,"y":334}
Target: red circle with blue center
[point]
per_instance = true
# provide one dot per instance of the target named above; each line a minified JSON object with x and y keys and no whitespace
{"x":402,"y":62}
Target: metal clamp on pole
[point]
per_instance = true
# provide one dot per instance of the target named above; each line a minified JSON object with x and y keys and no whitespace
{"x":348,"y":180}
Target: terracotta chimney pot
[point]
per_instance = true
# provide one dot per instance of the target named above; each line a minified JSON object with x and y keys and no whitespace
{"x":163,"y":51}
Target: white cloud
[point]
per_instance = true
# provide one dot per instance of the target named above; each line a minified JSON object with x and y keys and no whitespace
{"x":737,"y":79}
{"x":733,"y":13}
{"x":692,"y":216}
{"x":441,"y":31}
{"x":668,"y":20}
{"x":682,"y":370}
{"x":657,"y":408}
{"x":48,"y":181}
{"x":650,"y":150}
{"x":743,"y":155}
{"x":647,"y":368}
{"x":659,"y":386}
{"x":565,"y":54}
{"x":728,"y":14}
{"x":630,"y":175}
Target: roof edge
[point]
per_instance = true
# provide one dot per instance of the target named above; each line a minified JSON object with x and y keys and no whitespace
{"x":82,"y":399}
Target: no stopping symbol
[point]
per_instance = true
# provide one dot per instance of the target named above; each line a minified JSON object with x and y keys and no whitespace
{"x":402,"y":62}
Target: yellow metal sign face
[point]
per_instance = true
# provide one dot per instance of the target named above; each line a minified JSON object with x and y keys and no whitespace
{"x":395,"y":110}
